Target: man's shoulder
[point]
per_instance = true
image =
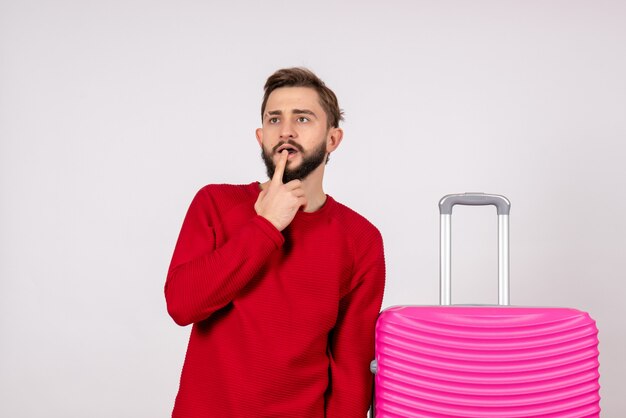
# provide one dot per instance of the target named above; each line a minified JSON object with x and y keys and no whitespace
{"x":352,"y":220}
{"x":236,"y":191}
{"x":365,"y":239}
{"x":227,"y":188}
{"x":225,"y":195}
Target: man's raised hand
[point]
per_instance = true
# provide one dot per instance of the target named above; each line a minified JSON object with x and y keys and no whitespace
{"x":279,"y":202}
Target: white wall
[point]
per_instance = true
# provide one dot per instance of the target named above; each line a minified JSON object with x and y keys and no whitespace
{"x":112,"y":115}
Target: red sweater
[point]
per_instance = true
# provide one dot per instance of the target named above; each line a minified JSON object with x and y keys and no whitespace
{"x":283,"y":323}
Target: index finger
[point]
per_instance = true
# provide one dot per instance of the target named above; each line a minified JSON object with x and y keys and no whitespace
{"x":280,"y":167}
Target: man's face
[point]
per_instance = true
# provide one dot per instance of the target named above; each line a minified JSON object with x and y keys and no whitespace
{"x":295,"y":121}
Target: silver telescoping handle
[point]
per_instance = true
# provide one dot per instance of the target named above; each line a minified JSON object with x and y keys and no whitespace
{"x":503,"y":206}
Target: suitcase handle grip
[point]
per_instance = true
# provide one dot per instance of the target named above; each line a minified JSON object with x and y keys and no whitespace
{"x":446,"y":204}
{"x":501,"y":203}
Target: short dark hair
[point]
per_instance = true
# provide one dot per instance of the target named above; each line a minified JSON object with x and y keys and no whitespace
{"x":303,"y":77}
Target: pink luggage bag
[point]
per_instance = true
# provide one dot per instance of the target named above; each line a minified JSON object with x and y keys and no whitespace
{"x":484,"y":361}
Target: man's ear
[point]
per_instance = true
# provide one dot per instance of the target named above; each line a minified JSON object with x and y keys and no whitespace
{"x":333,"y":139}
{"x":259,"y":136}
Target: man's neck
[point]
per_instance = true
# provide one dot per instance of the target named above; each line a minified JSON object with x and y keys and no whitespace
{"x":314,"y":192}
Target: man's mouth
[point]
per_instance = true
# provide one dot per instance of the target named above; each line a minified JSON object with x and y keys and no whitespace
{"x":290,"y":149}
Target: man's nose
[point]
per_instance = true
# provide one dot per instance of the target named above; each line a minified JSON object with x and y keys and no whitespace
{"x":287,"y":130}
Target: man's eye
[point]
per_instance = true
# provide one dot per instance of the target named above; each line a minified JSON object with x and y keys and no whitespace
{"x":273,"y":120}
{"x":303,"y":119}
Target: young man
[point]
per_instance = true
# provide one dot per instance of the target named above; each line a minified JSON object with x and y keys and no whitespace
{"x":281,"y":282}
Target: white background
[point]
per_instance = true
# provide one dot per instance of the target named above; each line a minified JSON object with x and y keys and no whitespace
{"x":113,"y":114}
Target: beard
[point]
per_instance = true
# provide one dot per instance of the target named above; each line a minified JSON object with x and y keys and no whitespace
{"x":309,"y":162}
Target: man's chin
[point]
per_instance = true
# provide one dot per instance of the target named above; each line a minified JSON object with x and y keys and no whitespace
{"x":293,"y":164}
{"x":292,"y":175}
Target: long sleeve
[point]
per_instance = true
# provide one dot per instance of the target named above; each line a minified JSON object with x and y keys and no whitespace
{"x":207,"y":270}
{"x":351,"y":346}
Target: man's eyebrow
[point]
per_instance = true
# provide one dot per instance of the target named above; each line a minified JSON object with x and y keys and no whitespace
{"x":304,"y":112}
{"x":294,"y":111}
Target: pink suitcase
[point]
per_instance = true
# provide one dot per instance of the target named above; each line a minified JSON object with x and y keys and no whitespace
{"x":484,"y":361}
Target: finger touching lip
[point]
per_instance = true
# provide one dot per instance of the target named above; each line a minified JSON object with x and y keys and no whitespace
{"x":287,"y":148}
{"x":290,"y":146}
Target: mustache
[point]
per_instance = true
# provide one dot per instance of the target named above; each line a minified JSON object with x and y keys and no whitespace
{"x":290,"y":142}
